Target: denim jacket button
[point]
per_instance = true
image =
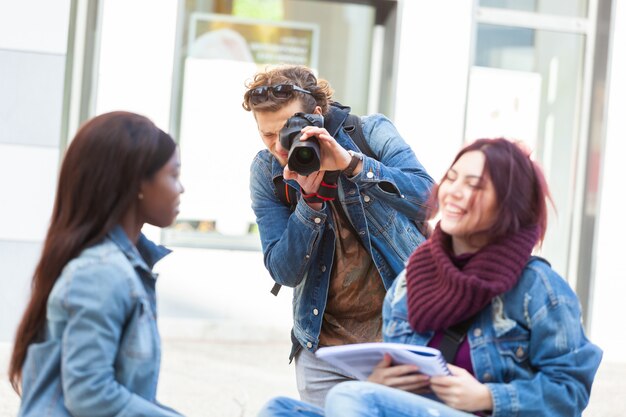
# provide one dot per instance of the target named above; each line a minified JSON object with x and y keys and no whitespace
{"x":317,"y":220}
{"x":366,"y":198}
{"x":370,"y":175}
{"x":519,"y":352}
{"x":486,"y":377}
{"x":315,"y":312}
{"x":477,"y":332}
{"x":309,"y":345}
{"x":323,"y":268}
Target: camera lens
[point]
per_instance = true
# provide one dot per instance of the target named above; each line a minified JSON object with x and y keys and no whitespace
{"x":304,"y":155}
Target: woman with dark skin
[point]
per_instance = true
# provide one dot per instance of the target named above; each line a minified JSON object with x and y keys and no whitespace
{"x":88,"y":343}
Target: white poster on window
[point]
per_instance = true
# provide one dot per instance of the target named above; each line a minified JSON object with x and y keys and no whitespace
{"x":503,"y":103}
{"x":218,"y":138}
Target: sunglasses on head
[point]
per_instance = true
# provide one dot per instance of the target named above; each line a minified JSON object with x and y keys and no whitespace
{"x":281,"y":91}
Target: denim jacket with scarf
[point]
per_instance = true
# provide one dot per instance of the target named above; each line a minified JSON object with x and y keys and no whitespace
{"x":101,"y":353}
{"x":383,"y":203}
{"x":528,"y":346}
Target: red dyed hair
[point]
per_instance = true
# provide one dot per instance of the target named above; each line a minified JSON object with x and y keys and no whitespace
{"x":520,"y":186}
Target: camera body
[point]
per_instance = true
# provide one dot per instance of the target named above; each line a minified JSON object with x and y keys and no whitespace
{"x":304,"y":156}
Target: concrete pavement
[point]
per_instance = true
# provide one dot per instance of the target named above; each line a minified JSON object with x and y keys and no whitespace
{"x":231,"y":373}
{"x":229,"y":369}
{"x":221,"y":358}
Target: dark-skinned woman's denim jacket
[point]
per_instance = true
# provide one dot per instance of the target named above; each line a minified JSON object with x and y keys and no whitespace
{"x":383,"y":203}
{"x":101,"y":353}
{"x":528,"y":346}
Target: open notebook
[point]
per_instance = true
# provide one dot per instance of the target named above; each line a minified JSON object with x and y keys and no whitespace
{"x":359,"y":359}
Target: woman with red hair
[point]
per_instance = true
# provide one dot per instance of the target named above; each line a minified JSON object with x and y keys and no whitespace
{"x":519,"y":347}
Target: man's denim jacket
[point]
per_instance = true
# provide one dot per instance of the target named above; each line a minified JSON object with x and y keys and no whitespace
{"x":101,"y":352}
{"x":299,"y":246}
{"x":528,"y":346}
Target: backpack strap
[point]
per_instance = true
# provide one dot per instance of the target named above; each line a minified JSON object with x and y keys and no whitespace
{"x":275,"y":289}
{"x":453,"y":338}
{"x":540,"y":259}
{"x":353,"y":127}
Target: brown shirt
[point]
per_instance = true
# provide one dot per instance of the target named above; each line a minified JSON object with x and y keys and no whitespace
{"x":355,"y":293}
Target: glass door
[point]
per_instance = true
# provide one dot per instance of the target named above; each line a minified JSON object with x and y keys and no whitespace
{"x":539,"y":75}
{"x":526,"y":84}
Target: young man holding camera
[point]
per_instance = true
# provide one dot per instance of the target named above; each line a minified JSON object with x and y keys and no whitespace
{"x":353,"y":224}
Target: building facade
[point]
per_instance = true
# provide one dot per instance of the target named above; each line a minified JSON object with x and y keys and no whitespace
{"x":547,"y":72}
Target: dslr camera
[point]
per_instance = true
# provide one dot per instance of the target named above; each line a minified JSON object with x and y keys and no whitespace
{"x":304,"y":156}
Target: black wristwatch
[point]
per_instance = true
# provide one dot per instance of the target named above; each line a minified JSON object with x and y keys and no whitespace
{"x":356,"y":157}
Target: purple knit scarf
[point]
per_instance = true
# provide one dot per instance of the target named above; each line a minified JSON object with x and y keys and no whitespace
{"x":441,"y":295}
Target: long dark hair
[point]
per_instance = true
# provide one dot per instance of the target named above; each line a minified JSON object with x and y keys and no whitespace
{"x":100,"y":179}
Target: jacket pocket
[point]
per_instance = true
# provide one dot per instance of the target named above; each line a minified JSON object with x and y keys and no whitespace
{"x":513,"y":348}
{"x":517,"y":350}
{"x":380,"y":215}
{"x":139,"y":335}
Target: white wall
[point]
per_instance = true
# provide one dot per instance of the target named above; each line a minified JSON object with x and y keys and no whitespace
{"x":430,"y":108}
{"x":137,"y":46}
{"x":34,"y":25}
{"x":434,"y":48}
{"x":33,"y":43}
{"x":609,"y":285}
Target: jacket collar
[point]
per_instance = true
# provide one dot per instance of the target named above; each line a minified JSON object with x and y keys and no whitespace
{"x":335,"y":117}
{"x":142,"y":256}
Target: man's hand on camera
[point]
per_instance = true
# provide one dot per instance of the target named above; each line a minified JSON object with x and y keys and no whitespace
{"x":334,"y":156}
{"x":309,"y":184}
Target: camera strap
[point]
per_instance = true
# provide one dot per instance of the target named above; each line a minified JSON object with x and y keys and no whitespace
{"x":289,"y":196}
{"x":327,"y":190}
{"x":285,"y":193}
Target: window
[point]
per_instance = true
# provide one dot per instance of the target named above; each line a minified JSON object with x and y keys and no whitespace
{"x":217,"y":49}
{"x":575,"y":8}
